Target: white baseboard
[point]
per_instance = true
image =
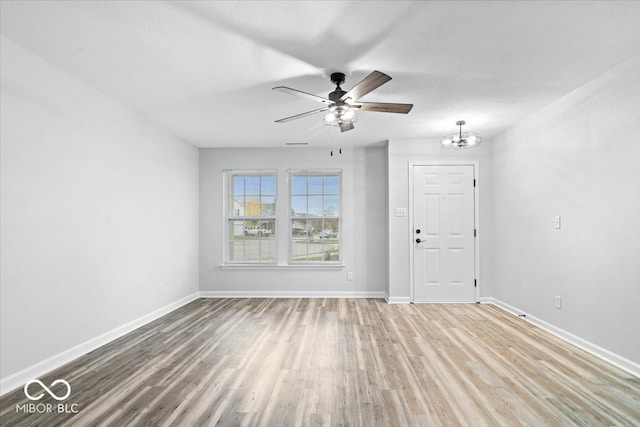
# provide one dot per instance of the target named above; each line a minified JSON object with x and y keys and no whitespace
{"x":604,"y":354}
{"x":397,"y":300}
{"x":20,"y":378}
{"x":292,"y":294}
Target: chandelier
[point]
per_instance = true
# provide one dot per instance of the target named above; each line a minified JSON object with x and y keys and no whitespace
{"x":461,"y":139}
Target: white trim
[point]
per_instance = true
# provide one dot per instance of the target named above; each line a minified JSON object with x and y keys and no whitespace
{"x":292,"y":294}
{"x":257,"y":266}
{"x":604,"y":354}
{"x":445,"y":302}
{"x":397,"y":300}
{"x":476,"y":215}
{"x":18,"y":379}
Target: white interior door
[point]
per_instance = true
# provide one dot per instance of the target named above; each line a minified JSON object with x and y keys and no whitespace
{"x":444,"y":233}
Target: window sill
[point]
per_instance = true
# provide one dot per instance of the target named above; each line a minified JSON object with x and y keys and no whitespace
{"x":282,"y":267}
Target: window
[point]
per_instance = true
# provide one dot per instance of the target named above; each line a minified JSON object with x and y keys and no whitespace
{"x":251,"y":217}
{"x":315,"y":217}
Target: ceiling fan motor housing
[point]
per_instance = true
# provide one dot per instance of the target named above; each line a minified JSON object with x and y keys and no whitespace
{"x":337,"y":79}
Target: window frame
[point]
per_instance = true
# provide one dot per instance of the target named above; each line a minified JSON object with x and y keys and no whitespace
{"x":290,"y":217}
{"x":228,"y":196}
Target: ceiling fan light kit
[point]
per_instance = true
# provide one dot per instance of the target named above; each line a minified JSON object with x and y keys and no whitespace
{"x":341,"y":105}
{"x":340,"y":114}
{"x":460,"y":140}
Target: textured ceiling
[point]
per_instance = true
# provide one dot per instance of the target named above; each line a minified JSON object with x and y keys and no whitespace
{"x":204,"y":70}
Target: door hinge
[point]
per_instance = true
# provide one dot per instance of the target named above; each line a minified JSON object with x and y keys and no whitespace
{"x":474,"y":182}
{"x":475,"y":232}
{"x":475,"y":283}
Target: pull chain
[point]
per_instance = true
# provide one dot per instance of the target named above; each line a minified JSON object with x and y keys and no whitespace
{"x":331,"y":140}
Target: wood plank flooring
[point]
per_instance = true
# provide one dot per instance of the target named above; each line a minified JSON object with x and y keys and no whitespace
{"x":328,"y":362}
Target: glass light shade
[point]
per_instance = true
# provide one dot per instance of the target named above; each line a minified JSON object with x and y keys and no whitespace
{"x":460,"y":139}
{"x":331,"y":118}
{"x":340,"y":114}
{"x":457,"y":141}
{"x":348,"y":115}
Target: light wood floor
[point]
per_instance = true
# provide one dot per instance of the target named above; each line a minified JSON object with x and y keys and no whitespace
{"x":297,"y":362}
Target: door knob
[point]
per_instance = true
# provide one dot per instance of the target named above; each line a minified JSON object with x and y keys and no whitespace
{"x":418,"y":240}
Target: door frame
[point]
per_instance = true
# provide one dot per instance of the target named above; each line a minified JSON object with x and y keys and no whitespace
{"x":476,"y":217}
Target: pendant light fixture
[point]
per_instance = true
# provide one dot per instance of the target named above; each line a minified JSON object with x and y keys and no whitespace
{"x":461,"y":139}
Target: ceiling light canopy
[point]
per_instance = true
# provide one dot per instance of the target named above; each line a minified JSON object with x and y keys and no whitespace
{"x":461,"y":139}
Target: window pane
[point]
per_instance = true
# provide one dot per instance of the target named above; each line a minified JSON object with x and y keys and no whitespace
{"x":298,"y":184}
{"x":299,"y":205}
{"x":316,"y":226}
{"x":252,"y":185}
{"x":300,"y":229}
{"x":268,"y":206}
{"x":331,"y":184}
{"x":315,"y":184}
{"x":252,"y":206}
{"x":315,"y":205}
{"x":331,"y":205}
{"x":268,"y":185}
{"x":332,"y":225}
{"x":238,"y":185}
{"x":236,"y":207}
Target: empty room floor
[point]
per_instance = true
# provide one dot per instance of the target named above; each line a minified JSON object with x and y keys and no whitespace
{"x":358,"y":362}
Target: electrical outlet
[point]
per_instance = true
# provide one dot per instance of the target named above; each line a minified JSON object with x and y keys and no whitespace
{"x":349,"y":275}
{"x":163,"y":288}
{"x":558,"y":302}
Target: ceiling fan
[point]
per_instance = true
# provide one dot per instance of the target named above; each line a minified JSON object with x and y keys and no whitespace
{"x":341,"y":105}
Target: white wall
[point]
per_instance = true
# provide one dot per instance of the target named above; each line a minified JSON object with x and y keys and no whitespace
{"x":363,"y":227}
{"x":400,"y":153}
{"x":98,"y":208}
{"x":579,"y":158}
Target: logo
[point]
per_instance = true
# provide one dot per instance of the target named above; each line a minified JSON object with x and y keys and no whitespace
{"x":47,"y":408}
{"x":47,"y":389}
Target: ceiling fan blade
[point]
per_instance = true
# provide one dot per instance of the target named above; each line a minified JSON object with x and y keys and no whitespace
{"x":297,"y":92}
{"x":383,"y":107}
{"x":299,"y":116}
{"x":366,"y":85}
{"x":346,"y":126}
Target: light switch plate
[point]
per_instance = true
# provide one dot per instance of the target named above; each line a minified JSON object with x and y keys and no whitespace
{"x":557,"y":222}
{"x":400,"y":212}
